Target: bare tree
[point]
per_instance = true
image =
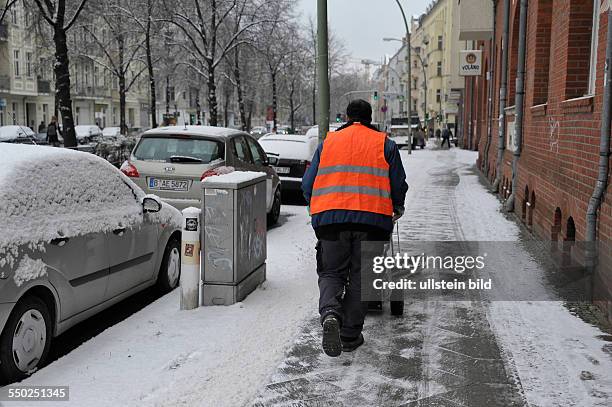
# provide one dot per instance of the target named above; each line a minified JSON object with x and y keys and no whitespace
{"x":4,"y":11}
{"x":54,"y":13}
{"x":119,"y":51}
{"x":145,"y":14}
{"x":205,"y":24}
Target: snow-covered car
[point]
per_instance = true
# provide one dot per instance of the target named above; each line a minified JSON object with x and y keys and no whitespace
{"x":294,"y":153}
{"x":77,"y":238}
{"x":86,"y":134}
{"x":171,"y":162}
{"x":111,"y":132}
{"x":17,"y":134}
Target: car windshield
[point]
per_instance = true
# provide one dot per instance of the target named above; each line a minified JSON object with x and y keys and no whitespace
{"x":179,"y":149}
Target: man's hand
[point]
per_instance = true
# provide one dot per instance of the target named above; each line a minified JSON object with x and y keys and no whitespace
{"x":397,"y":213}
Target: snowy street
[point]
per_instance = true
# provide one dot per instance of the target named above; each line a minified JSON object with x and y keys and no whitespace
{"x":266,"y":351}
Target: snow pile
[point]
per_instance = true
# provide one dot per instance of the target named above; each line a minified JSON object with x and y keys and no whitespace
{"x":48,"y":193}
{"x":235,"y":177}
{"x":560,"y":359}
{"x":29,"y":269}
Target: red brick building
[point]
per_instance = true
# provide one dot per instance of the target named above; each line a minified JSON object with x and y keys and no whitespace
{"x":558,"y":166}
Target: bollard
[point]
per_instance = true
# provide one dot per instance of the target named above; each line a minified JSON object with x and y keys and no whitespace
{"x":190,"y":259}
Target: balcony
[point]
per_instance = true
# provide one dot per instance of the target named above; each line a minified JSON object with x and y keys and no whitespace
{"x":43,"y":86}
{"x":5,"y":83}
{"x":3,"y":32}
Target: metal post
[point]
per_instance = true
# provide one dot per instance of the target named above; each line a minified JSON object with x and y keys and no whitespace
{"x":503,"y":95}
{"x":520,"y":103}
{"x":323,"y":68}
{"x":190,"y":259}
{"x":604,"y":144}
{"x":409,"y":73}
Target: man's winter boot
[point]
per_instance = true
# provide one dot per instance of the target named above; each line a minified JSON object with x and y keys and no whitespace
{"x":332,"y":346}
{"x":350,"y":344}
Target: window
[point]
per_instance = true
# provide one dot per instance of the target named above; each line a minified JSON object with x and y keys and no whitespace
{"x":414,"y":106}
{"x":542,"y":51}
{"x":162,"y":149}
{"x":415,"y":83}
{"x":438,"y":96}
{"x":259,"y":157}
{"x":45,"y":109}
{"x":14,"y":15}
{"x":594,"y":44}
{"x":86,"y":73}
{"x":96,"y":76}
{"x":241,"y":149}
{"x":580,"y":66}
{"x":16,"y":62}
{"x":29,"y":64}
{"x":439,"y":68}
{"x":440,"y":42}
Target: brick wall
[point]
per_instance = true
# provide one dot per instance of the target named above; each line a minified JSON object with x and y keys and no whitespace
{"x":559,"y":162}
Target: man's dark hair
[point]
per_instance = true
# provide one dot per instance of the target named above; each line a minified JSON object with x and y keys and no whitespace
{"x":359,"y":111}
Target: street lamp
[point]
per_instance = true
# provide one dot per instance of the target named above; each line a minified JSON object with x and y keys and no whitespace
{"x":409,"y":66}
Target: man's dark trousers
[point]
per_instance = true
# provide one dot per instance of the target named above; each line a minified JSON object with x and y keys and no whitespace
{"x":339,"y":258}
{"x":445,"y":140}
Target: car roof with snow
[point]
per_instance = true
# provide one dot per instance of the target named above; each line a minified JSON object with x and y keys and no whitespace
{"x":203,"y":131}
{"x":287,"y":146}
{"x":12,"y":131}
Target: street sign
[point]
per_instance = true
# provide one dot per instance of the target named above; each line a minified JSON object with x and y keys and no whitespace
{"x":470,"y":63}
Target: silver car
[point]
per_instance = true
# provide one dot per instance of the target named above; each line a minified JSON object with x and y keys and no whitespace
{"x":77,"y":236}
{"x":171,"y":162}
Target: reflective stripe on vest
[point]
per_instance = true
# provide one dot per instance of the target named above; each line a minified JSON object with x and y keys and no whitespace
{"x":353,"y":173}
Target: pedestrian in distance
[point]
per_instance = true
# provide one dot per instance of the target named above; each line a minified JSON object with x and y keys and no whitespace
{"x":445,"y":137}
{"x":438,"y":132}
{"x":355,"y":188}
{"x":53,"y":132}
{"x":42,"y":127}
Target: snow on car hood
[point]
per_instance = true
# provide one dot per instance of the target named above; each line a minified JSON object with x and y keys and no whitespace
{"x":47,"y":193}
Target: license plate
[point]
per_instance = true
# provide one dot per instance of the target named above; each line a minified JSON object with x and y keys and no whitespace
{"x":282,"y":170}
{"x":168,"y":185}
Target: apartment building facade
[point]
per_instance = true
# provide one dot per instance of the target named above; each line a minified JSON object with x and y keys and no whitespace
{"x":27,"y":95}
{"x":437,"y":88}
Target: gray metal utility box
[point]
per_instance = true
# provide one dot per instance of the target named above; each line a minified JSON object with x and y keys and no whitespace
{"x":234,"y":235}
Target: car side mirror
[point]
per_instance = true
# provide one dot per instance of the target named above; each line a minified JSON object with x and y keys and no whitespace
{"x":151,"y":204}
{"x":272,"y":161}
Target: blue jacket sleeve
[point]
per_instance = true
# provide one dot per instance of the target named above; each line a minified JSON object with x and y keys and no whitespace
{"x":311,"y":173}
{"x":397,"y":175}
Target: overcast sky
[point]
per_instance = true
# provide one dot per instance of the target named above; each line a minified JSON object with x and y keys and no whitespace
{"x":362,"y":24}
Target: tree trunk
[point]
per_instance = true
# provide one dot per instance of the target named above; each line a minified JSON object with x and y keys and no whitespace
{"x":153,"y":101}
{"x":122,"y":104}
{"x":292,"y":110}
{"x":226,"y":103}
{"x":122,"y":89}
{"x":274,"y":100}
{"x":243,"y":119}
{"x":62,"y":85}
{"x":212,"y":96}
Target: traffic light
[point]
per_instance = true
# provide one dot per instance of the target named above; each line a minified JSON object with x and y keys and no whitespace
{"x":375,"y":95}
{"x":338,"y":117}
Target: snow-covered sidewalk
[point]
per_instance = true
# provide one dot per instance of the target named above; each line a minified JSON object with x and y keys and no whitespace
{"x":212,"y":356}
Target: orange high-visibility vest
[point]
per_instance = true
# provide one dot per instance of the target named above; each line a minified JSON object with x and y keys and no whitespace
{"x":353,"y":173}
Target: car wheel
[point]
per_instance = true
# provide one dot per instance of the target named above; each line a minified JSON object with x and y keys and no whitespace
{"x":170,"y":269}
{"x":276,"y":207}
{"x":25,"y":339}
